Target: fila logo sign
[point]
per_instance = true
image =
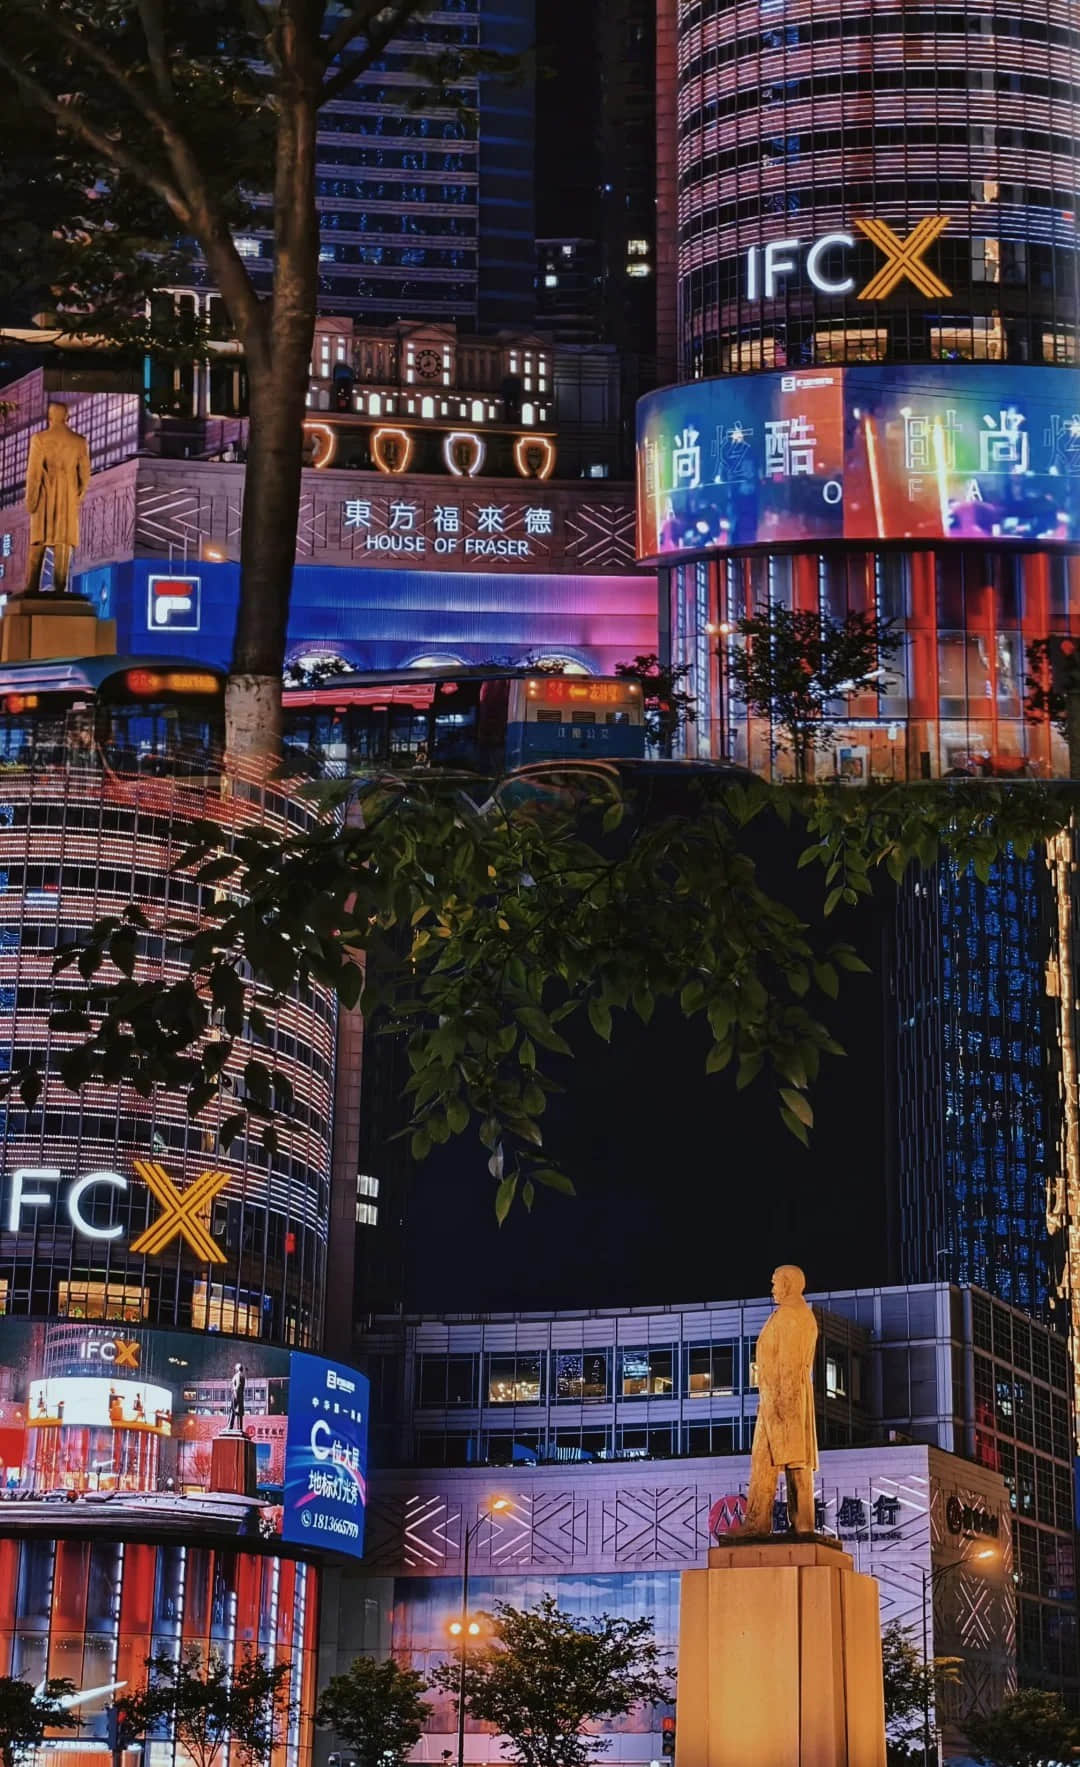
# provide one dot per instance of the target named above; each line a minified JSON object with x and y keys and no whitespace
{"x":904,"y":261}
{"x":184,"y":1213}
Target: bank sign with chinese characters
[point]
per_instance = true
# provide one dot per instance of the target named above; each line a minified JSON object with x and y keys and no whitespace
{"x":481,"y":529}
{"x":326,"y":1456}
{"x":957,"y":451}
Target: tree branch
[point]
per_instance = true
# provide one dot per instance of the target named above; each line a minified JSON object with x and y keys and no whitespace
{"x":189,"y":200}
{"x":72,"y":119}
{"x":351,"y":26}
{"x":152,"y":19}
{"x":377,"y":41}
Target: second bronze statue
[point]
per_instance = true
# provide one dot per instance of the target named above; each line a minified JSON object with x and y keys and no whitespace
{"x":57,"y":474}
{"x":785,"y":1435}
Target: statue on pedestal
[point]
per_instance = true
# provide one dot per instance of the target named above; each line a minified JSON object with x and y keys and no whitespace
{"x":785,"y":1435}
{"x":236,"y":1403}
{"x":57,"y":475}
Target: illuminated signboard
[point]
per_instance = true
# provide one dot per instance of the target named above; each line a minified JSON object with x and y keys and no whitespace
{"x":475,"y":530}
{"x":954,"y":451}
{"x":326,"y":1455}
{"x":124,"y":1423}
{"x":768,"y":267}
{"x":41,"y":1191}
{"x":173,"y":604}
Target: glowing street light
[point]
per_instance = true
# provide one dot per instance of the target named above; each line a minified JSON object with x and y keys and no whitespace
{"x":465,"y":1628}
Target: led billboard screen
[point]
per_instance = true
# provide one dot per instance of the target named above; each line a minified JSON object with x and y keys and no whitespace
{"x":965,"y":452}
{"x":180,"y":1435}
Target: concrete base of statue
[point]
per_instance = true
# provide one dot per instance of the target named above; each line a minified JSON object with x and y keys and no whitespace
{"x":232,"y":1464}
{"x":780,"y":1659}
{"x":36,"y":628}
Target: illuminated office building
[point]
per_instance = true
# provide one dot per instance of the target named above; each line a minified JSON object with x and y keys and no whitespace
{"x":176,"y":1456}
{"x":872,"y":242}
{"x":425,"y":210}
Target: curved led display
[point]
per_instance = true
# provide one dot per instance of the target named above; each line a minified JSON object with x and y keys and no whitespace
{"x":918,"y":454}
{"x":110,"y":1428}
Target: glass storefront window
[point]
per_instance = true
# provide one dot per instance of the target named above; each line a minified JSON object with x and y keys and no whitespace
{"x":101,"y":1300}
{"x":710,"y":1368}
{"x":515,"y":1379}
{"x":646,"y":1371}
{"x":446,"y":1380}
{"x":581,"y":1374}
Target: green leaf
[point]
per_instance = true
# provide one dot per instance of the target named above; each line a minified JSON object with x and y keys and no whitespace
{"x":504,"y":1197}
{"x":798,"y":1104}
{"x":749,"y":1069}
{"x":827,"y":979}
{"x":420,"y":1144}
{"x":833,"y":898}
{"x":457,"y":1115}
{"x":600,"y":1018}
{"x":553,"y":1179}
{"x":798,"y":1129}
{"x":718,"y":1058}
{"x":541,"y":1030}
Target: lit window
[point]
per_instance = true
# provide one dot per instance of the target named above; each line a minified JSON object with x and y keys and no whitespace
{"x":247,"y":246}
{"x":427,"y":407}
{"x":567,"y":251}
{"x":638,"y":270}
{"x":366,"y":1185}
{"x":551,"y":280}
{"x":637,"y":248}
{"x":367,"y":1214}
{"x":528,"y":413}
{"x":513,"y":362}
{"x":374,"y":404}
{"x":835,"y":1377}
{"x":476,"y":411}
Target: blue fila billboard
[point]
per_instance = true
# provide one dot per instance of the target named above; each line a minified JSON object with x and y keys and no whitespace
{"x":172,"y":604}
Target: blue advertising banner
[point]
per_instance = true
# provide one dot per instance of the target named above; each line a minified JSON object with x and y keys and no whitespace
{"x":325,"y":1455}
{"x":964,"y":451}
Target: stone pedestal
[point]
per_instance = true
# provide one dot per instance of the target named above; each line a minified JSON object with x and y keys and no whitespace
{"x":232,"y":1464}
{"x":779,"y":1660}
{"x":36,"y":628}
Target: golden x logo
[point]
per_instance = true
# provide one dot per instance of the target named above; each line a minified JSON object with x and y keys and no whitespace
{"x":127,"y":1353}
{"x":905,"y":258}
{"x":184,"y":1212}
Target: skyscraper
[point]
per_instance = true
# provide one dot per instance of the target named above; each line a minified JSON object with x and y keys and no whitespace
{"x":426,"y":211}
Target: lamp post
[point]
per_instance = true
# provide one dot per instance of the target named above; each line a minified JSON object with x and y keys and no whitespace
{"x":930,"y":1580}
{"x":464,"y":1628}
{"x":721,"y":630}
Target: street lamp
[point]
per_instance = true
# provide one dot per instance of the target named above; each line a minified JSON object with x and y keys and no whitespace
{"x":930,"y":1579}
{"x":721,"y":630}
{"x":464,"y":1628}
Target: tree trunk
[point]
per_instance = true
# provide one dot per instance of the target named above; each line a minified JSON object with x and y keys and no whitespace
{"x":278,"y":380}
{"x":267,"y":555}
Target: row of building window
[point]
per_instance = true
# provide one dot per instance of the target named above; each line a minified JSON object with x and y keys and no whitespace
{"x":907,"y":80}
{"x":527,"y":1377}
{"x":879,"y":138}
{"x":879,"y":23}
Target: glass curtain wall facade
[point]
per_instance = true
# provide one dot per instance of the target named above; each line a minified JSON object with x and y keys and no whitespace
{"x":798,"y":126}
{"x":426,"y":210}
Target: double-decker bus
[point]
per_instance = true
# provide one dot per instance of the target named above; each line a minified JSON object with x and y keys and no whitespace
{"x":482,"y":720}
{"x":132,"y":714}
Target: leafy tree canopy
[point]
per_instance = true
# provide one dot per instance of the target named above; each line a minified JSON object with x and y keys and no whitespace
{"x":377,"y":1708}
{"x":26,"y":1712}
{"x":1029,"y":1729}
{"x":205,"y":1705}
{"x":793,"y":665}
{"x":911,"y":1688}
{"x":563,"y":892}
{"x":546,"y":1674}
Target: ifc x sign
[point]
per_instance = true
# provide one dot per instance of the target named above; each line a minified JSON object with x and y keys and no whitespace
{"x":904,"y":261}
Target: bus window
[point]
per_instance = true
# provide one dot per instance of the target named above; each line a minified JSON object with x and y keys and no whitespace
{"x":583,"y":717}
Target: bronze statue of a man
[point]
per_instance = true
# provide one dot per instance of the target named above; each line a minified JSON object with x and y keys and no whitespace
{"x":57,"y":474}
{"x":785,"y":1435}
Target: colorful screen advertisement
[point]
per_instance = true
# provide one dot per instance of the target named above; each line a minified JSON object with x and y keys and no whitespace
{"x":975,"y":452}
{"x":326,"y":1455}
{"x":179,"y":1435}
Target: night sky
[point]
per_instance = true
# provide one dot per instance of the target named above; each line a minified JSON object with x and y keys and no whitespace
{"x":687,"y":1190}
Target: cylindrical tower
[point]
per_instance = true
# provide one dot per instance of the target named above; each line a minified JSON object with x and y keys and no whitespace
{"x":175,"y":1461}
{"x":873,"y":276}
{"x":87,"y":1175}
{"x":819,"y":135}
